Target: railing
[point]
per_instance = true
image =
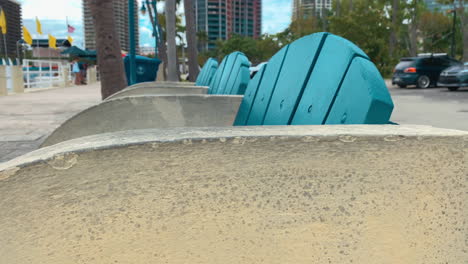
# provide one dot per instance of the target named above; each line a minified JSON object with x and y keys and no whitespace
{"x":42,"y":73}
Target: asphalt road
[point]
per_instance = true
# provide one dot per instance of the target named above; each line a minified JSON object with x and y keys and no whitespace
{"x":437,"y":107}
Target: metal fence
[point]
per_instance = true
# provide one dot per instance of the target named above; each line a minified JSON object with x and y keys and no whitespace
{"x":42,"y":73}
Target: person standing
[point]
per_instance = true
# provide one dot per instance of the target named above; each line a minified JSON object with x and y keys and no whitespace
{"x":76,"y":72}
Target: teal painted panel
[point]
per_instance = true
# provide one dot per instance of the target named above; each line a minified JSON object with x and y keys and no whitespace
{"x":363,"y":97}
{"x":202,"y":74}
{"x":297,"y":67}
{"x":205,"y":73}
{"x":333,"y":62}
{"x":230,"y":72}
{"x":266,"y":87}
{"x":238,"y":84}
{"x":211,"y":74}
{"x":217,"y":78}
{"x":249,"y":98}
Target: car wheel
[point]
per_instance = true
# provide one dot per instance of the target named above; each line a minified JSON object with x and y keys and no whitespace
{"x":402,"y":86}
{"x":423,"y":82}
{"x":453,"y":88}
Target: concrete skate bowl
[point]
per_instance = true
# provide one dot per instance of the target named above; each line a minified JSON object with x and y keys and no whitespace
{"x":318,"y":194}
{"x":152,"y":111}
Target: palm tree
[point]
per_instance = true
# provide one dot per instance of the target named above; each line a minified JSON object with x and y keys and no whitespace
{"x":191,"y":40}
{"x":171,"y":44}
{"x":111,"y":68}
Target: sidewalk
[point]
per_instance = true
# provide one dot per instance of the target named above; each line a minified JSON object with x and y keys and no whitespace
{"x":26,"y":119}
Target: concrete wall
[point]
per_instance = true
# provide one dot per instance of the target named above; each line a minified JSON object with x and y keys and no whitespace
{"x":133,"y":91}
{"x":141,"y":112}
{"x":317,"y":194}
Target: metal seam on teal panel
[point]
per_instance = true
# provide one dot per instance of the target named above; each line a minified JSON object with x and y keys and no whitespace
{"x":206,"y":71}
{"x":220,"y":90}
{"x":237,"y":76}
{"x":201,"y":80}
{"x":211,"y":76}
{"x":306,"y":81}
{"x":274,"y":85}
{"x":215,"y":81}
{"x":256,"y":91}
{"x":229,"y":75}
{"x":221,"y":74}
{"x":339,"y":86}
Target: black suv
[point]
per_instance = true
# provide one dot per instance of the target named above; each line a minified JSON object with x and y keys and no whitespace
{"x":422,"y":71}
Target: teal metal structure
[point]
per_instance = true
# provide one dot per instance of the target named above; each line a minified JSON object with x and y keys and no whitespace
{"x":318,"y":79}
{"x":131,"y":30}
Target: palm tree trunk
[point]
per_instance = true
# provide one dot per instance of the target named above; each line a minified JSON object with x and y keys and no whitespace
{"x":111,"y":67}
{"x":464,"y":29}
{"x":338,"y":7}
{"x":413,"y":30}
{"x":393,"y":33}
{"x":191,"y":40}
{"x":171,"y":44}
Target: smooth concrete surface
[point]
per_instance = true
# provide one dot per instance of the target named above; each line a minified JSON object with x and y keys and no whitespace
{"x":3,"y":81}
{"x":18,"y":81}
{"x":132,"y":91}
{"x":163,"y":84}
{"x":302,"y":194}
{"x":26,"y":119}
{"x":149,"y":111}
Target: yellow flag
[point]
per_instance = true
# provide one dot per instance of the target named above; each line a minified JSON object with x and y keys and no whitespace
{"x":3,"y":24}
{"x":27,"y":36}
{"x":38,"y":26}
{"x":70,"y":39}
{"x":52,"y":42}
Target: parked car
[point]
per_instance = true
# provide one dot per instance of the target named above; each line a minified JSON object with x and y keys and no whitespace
{"x":423,"y":70}
{"x":454,"y":77}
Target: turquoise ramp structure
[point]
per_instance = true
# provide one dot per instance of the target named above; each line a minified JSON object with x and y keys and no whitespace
{"x":318,"y":79}
{"x":232,"y":76}
{"x":207,"y":73}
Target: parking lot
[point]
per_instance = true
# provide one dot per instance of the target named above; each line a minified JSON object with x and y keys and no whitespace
{"x":433,"y":106}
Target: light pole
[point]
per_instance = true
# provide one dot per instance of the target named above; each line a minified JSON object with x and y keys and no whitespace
{"x":147,"y":4}
{"x":131,"y":29}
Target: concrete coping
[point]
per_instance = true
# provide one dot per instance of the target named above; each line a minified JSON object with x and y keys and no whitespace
{"x":316,"y":133}
{"x":149,"y":111}
{"x":146,"y":90}
{"x":158,"y":84}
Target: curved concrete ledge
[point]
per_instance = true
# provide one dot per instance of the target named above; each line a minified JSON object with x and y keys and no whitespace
{"x":133,"y":91}
{"x":151,"y":111}
{"x":360,"y":194}
{"x":159,"y":84}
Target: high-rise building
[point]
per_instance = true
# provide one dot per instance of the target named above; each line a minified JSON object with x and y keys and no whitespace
{"x":121,"y":25}
{"x":219,"y":19}
{"x":305,"y":8}
{"x":12,"y":10}
{"x":433,"y":5}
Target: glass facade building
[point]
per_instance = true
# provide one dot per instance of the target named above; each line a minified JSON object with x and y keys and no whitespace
{"x":219,"y":19}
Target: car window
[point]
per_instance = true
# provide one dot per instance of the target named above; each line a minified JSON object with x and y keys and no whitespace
{"x":404,"y":64}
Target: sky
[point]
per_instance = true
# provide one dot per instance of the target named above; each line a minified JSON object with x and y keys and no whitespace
{"x":53,"y":15}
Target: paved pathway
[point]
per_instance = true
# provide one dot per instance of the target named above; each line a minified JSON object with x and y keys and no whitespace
{"x":26,"y":119}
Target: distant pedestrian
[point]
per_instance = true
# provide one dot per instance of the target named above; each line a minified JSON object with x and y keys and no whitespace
{"x":76,"y":71}
{"x":82,"y":67}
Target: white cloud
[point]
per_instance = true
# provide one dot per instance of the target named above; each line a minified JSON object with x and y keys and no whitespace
{"x":52,"y":9}
{"x":276,"y":15}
